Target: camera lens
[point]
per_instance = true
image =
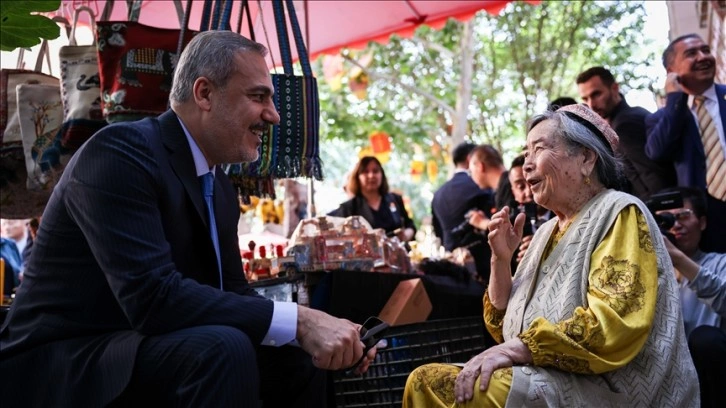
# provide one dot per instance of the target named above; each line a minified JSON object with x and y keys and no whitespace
{"x":665,"y":221}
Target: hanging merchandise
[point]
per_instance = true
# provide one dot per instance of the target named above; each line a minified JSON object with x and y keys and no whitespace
{"x":365,"y":151}
{"x":432,"y":170}
{"x":80,"y":86}
{"x":417,"y":170}
{"x":41,"y":114}
{"x":380,"y":142}
{"x":136,"y":65}
{"x":9,"y":79}
{"x":16,"y":200}
{"x":358,"y":79}
{"x":359,"y":85}
{"x":290,"y":149}
{"x":333,"y":71}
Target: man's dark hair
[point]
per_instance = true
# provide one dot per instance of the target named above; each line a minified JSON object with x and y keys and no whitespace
{"x":669,"y":52}
{"x":488,"y":155}
{"x":560,"y":102}
{"x":517,"y":162}
{"x":461,"y":152}
{"x":694,"y":195}
{"x":605,"y":75}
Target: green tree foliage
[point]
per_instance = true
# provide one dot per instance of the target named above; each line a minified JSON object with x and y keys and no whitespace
{"x":20,"y":28}
{"x":523,"y":58}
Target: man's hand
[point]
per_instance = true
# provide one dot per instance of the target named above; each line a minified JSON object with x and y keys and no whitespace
{"x":478,"y":220}
{"x":523,"y":247}
{"x":333,"y":343}
{"x":672,"y":83}
{"x":682,"y":264}
{"x":482,"y":366}
{"x":369,"y":358}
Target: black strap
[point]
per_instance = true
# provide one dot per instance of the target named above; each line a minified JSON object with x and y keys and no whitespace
{"x":246,"y":6}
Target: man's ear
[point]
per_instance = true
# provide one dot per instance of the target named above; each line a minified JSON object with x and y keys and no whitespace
{"x":202,"y":93}
{"x":702,"y":222}
{"x":615,"y":87}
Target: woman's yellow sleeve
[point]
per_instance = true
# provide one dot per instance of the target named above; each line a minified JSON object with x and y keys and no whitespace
{"x":609,"y":333}
{"x":493,"y":319}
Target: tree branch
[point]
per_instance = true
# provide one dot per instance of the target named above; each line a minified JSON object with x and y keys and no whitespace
{"x":445,"y":52}
{"x":374,"y":75}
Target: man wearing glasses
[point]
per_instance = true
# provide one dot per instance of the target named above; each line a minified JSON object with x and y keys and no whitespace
{"x":702,"y":281}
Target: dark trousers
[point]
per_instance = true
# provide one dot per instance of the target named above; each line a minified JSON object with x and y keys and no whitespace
{"x":218,"y":366}
{"x":708,"y":350}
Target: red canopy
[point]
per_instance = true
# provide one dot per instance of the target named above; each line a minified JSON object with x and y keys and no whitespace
{"x":328,"y":25}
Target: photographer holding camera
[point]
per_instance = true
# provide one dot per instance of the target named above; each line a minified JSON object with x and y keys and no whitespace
{"x":702,"y":286}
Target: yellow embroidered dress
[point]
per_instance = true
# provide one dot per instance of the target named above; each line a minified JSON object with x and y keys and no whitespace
{"x":590,"y":324}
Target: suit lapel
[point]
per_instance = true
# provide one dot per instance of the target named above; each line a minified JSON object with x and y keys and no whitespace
{"x":721,"y":98}
{"x":181,"y":160}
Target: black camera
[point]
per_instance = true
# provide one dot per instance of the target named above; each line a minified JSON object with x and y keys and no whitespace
{"x":464,"y":228}
{"x":530,"y":211}
{"x":665,"y":201}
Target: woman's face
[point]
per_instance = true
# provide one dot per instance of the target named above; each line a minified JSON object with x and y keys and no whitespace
{"x":553,"y":174}
{"x":370,"y":177}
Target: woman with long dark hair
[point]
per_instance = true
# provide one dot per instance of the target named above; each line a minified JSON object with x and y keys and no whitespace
{"x":373,"y":201}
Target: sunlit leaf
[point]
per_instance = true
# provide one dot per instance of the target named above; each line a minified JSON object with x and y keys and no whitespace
{"x":20,"y":28}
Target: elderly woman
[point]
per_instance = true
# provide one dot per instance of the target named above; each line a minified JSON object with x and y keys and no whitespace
{"x":373,"y":201}
{"x":591,"y":317}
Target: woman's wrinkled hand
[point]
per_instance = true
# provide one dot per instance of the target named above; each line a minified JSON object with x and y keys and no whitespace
{"x":503,"y":236}
{"x":482,"y":366}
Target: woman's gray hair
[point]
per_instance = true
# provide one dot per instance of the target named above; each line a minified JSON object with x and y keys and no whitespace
{"x":608,"y":168}
{"x":210,"y":54}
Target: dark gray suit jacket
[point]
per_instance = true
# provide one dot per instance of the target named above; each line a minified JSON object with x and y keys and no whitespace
{"x":646,"y":176}
{"x":123,"y":252}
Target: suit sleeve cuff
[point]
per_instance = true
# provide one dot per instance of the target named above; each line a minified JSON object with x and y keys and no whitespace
{"x":283,"y":326}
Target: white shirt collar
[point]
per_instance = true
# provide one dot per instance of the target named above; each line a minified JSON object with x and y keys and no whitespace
{"x":709,"y":94}
{"x":200,"y":162}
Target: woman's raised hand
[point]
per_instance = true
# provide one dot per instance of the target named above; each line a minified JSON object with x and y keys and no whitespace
{"x":503,"y":236}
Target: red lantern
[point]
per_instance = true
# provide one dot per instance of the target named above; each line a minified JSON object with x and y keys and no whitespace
{"x":417,"y":170}
{"x":380,"y":142}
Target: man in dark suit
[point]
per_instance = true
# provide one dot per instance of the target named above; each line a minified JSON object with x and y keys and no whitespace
{"x":452,"y":201}
{"x":601,"y":93}
{"x":674,"y":132}
{"x":129,"y":301}
{"x":455,"y":198}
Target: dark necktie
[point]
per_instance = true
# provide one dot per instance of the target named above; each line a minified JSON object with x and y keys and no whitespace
{"x":208,"y":190}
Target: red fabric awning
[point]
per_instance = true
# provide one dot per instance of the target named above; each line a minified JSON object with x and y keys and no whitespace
{"x":328,"y":25}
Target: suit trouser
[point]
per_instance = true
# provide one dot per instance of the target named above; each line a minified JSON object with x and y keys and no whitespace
{"x":707,"y":345}
{"x":712,"y":239}
{"x":218,"y":366}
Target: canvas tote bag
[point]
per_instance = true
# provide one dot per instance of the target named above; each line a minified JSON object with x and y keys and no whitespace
{"x":40,"y":114}
{"x":16,"y":201}
{"x":9,"y":79}
{"x":80,"y":86}
{"x":136,"y":66}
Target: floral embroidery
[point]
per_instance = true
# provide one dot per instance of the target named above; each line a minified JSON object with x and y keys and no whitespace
{"x":569,"y":363}
{"x":503,"y":374}
{"x":439,"y":378}
{"x":619,"y":285}
{"x":583,"y":329}
{"x":646,"y":243}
